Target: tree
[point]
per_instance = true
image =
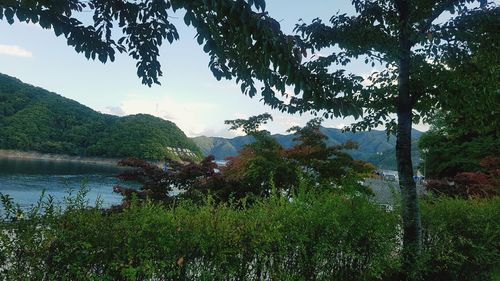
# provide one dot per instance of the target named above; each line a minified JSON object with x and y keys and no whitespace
{"x":159,"y":185}
{"x":248,"y":45}
{"x":466,"y":129}
{"x":260,"y":168}
{"x":242,"y":40}
{"x":452,"y":149}
{"x":411,"y":41}
{"x":484,"y":183}
{"x":261,"y":165}
{"x":327,"y":165}
{"x":265,"y":164}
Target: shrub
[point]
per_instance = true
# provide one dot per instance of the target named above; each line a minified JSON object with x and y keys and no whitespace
{"x":313,"y":236}
{"x":471,"y":184}
{"x":461,"y":239}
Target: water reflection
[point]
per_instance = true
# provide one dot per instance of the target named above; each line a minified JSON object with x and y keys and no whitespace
{"x":48,"y":167}
{"x":24,"y":180}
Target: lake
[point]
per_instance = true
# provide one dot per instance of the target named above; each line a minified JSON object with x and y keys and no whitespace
{"x":25,"y":180}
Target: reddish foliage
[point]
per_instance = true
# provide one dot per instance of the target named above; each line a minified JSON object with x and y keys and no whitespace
{"x":471,"y":184}
{"x":492,"y":164}
{"x":260,"y":167}
{"x":158,"y":184}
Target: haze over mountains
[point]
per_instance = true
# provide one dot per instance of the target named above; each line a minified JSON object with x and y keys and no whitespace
{"x":34,"y":119}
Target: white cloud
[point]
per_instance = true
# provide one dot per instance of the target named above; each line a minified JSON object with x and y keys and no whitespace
{"x":222,"y":132}
{"x":114,"y":110}
{"x":188,"y":116}
{"x":421,"y":127}
{"x":13,"y":50}
{"x":285,"y":122}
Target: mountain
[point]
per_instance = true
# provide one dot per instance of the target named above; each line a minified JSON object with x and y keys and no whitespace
{"x":374,"y":146}
{"x":34,"y":119}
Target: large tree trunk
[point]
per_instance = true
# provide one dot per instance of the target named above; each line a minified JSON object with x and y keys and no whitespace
{"x":412,"y":227}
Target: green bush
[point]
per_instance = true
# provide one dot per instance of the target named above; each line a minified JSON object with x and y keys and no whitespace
{"x":321,"y":237}
{"x":461,"y":239}
{"x":312,"y":236}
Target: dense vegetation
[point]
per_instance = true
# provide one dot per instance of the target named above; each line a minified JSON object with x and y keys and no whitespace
{"x":373,"y":146}
{"x":32,"y":118}
{"x":415,"y":41}
{"x":462,"y":158}
{"x":422,"y":51}
{"x":462,"y":148}
{"x":314,"y":236}
{"x":261,"y":168}
{"x":466,"y":129}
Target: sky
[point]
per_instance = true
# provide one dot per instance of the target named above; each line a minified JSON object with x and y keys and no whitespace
{"x":189,"y":95}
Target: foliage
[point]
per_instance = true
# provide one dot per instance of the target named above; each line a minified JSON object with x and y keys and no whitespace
{"x":401,"y":34}
{"x":470,"y":184}
{"x":251,"y":125}
{"x":413,"y":46}
{"x":34,"y":119}
{"x":314,"y":236}
{"x":466,"y":128}
{"x":179,"y":180}
{"x":461,"y":239}
{"x":242,"y":40}
{"x":261,"y":168}
{"x":260,"y":165}
{"x":444,"y":60}
{"x":448,"y":155}
{"x":266,"y":165}
{"x":317,"y":236}
{"x":159,"y":184}
{"x":462,"y":146}
{"x":326,"y":164}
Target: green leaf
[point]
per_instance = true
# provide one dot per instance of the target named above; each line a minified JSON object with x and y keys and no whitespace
{"x":187,"y":18}
{"x":170,"y":37}
{"x":9,"y":15}
{"x":199,"y":38}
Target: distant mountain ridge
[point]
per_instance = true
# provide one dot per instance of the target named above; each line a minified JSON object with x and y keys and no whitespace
{"x":34,"y":119}
{"x":374,"y":146}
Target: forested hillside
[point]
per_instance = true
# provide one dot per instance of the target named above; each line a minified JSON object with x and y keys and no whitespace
{"x":34,"y":119}
{"x":374,"y":146}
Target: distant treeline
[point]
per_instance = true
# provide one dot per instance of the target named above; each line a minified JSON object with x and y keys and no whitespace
{"x":32,"y":118}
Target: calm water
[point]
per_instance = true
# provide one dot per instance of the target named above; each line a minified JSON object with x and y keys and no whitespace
{"x":24,"y":180}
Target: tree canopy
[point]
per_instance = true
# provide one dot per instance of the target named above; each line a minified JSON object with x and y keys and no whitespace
{"x":260,"y":168}
{"x":438,"y":48}
{"x":417,"y":45}
{"x":465,"y":127}
{"x":241,"y":39}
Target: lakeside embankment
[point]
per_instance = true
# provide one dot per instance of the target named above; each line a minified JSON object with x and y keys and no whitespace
{"x":33,"y":155}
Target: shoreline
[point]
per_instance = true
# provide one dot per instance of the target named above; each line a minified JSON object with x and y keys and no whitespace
{"x":33,"y":155}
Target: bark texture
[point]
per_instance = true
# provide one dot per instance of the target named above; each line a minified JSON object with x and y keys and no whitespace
{"x":412,"y":227}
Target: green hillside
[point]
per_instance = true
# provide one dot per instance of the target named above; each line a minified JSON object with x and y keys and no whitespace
{"x":374,"y":146}
{"x":33,"y":119}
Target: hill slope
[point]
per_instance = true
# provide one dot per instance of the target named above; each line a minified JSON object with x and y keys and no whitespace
{"x":374,"y":146}
{"x":32,"y":118}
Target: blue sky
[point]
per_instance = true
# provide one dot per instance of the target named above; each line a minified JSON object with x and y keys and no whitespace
{"x":189,"y":95}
